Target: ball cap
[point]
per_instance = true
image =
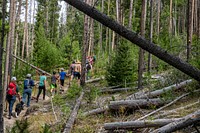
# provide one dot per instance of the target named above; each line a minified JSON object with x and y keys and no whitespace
{"x":28,"y":75}
{"x":13,"y":78}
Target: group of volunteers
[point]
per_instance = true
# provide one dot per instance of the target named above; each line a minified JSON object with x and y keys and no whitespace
{"x":12,"y":92}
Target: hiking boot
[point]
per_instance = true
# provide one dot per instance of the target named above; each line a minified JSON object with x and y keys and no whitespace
{"x":9,"y":117}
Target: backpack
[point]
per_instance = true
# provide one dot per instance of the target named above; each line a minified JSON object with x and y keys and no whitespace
{"x":72,"y":67}
{"x":88,"y":66}
{"x":11,"y":92}
{"x":26,"y":84}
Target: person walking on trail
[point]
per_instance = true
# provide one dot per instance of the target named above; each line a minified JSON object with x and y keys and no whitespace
{"x":28,"y":84}
{"x":62,"y":77}
{"x":12,"y":92}
{"x":54,"y":78}
{"x":72,"y":67}
{"x":88,"y":68}
{"x":77,"y":70}
{"x":42,"y":86}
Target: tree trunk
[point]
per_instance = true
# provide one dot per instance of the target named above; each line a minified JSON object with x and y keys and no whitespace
{"x":84,"y":48}
{"x":138,"y":124}
{"x":198,"y":20}
{"x":184,"y":122}
{"x":130,"y":15}
{"x":135,"y":104}
{"x":137,"y":39}
{"x":190,"y":27}
{"x":170,"y":17}
{"x":116,"y":90}
{"x":2,"y":89}
{"x":151,"y":34}
{"x":141,"y":51}
{"x":33,"y":33}
{"x":96,"y":111}
{"x":158,"y":17}
{"x":12,"y":38}
{"x":17,"y":29}
{"x":72,"y":117}
{"x":25,"y":30}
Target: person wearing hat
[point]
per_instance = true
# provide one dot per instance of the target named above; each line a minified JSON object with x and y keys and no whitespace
{"x":28,"y":84}
{"x":12,"y":92}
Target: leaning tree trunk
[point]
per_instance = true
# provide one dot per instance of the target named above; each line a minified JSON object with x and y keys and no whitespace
{"x":137,"y":39}
{"x":2,"y":91}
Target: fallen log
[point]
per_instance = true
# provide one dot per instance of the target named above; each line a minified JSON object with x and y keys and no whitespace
{"x":137,"y":124}
{"x":155,"y":111}
{"x":164,"y":113}
{"x":96,"y":111}
{"x":134,"y":104}
{"x":73,"y":115}
{"x":116,"y":90}
{"x":161,"y":91}
{"x":94,"y":80}
{"x":180,"y":124}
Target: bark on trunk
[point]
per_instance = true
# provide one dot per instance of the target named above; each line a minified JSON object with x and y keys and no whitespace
{"x":116,"y":90}
{"x":70,"y":121}
{"x":2,"y":90}
{"x":94,"y":80}
{"x":137,"y":39}
{"x":141,"y":51}
{"x":184,"y":122}
{"x":25,"y":30}
{"x":138,"y":124}
{"x":96,"y":111}
{"x":134,"y":104}
{"x":130,"y":15}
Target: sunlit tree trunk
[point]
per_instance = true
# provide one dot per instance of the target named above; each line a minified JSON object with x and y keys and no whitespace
{"x":190,"y":27}
{"x":2,"y":88}
{"x":151,"y":34}
{"x":141,"y":51}
{"x":12,"y":36}
{"x":198,"y":19}
{"x":32,"y":30}
{"x":170,"y":17}
{"x":17,"y":30}
{"x":101,"y":31}
{"x":25,"y":30}
{"x":158,"y":17}
{"x":130,"y":15}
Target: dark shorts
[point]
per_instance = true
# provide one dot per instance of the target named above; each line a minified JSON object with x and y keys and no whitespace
{"x":62,"y":82}
{"x":77,"y":74}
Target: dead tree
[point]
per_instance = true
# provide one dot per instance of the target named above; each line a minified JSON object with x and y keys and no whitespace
{"x":134,"y":104}
{"x":70,"y":121}
{"x":184,"y":122}
{"x":136,"y":39}
{"x":138,"y":124}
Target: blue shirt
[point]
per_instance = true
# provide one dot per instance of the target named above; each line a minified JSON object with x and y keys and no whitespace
{"x":42,"y":79}
{"x":62,"y":75}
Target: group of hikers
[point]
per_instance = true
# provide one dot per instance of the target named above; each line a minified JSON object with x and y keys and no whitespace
{"x":12,"y":92}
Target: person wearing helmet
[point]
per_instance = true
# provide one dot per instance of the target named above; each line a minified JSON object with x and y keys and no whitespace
{"x":28,"y":84}
{"x":11,"y":94}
